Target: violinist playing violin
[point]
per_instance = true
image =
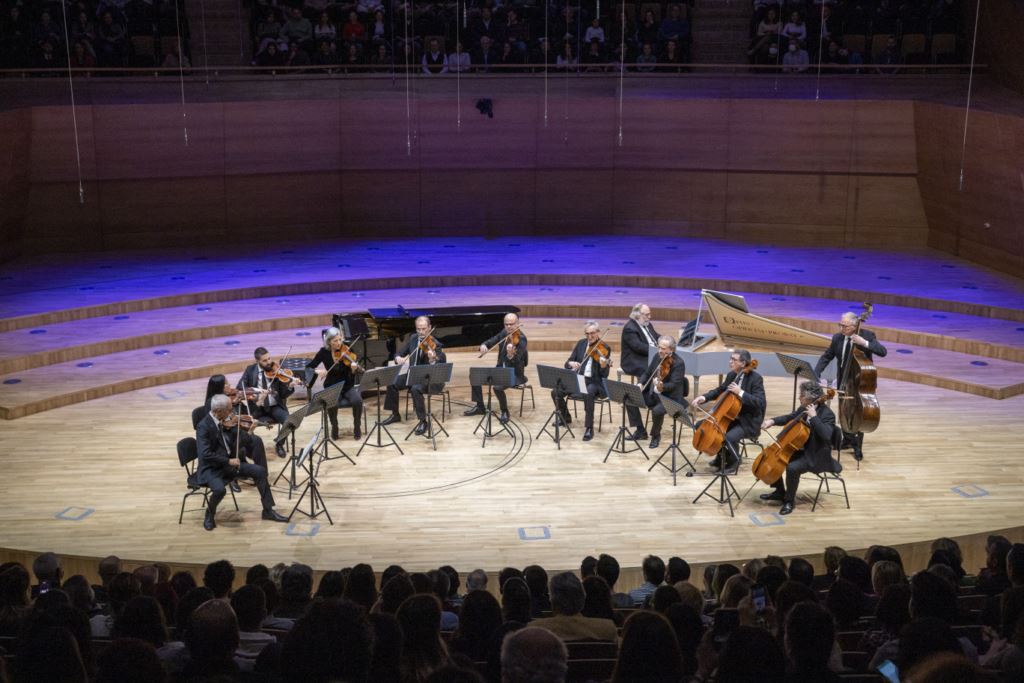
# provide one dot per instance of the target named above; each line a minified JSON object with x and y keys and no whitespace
{"x":841,"y":349}
{"x":335,"y":363}
{"x":421,"y":349}
{"x":666,"y":375}
{"x":511,"y":354}
{"x":251,"y":446}
{"x":273,"y":390}
{"x":591,"y":358}
{"x":816,"y":455}
{"x":749,"y":386}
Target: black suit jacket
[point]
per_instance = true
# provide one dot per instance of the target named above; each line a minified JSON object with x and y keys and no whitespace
{"x":213,"y":452}
{"x":835,"y":349}
{"x":419,"y":357}
{"x":819,"y":445}
{"x":282,"y":390}
{"x":336,"y":372}
{"x":635,"y":347}
{"x":577,"y":357}
{"x":676,"y":386}
{"x":518,"y":362}
{"x":754,"y":401}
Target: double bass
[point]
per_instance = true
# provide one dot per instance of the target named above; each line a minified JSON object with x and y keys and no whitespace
{"x":858,"y":406}
{"x":770,"y":464}
{"x":710,"y":435}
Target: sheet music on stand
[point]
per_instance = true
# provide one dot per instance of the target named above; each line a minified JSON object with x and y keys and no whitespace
{"x":796,"y":367}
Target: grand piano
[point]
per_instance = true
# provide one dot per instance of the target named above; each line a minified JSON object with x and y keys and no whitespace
{"x":383,"y":330}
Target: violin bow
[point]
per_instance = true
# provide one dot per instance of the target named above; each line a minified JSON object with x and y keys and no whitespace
{"x":501,"y":341}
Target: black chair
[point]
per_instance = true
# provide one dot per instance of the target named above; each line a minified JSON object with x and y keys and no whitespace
{"x":187,"y":456}
{"x":197,"y":416}
{"x":825,"y":477}
{"x":522,"y":389}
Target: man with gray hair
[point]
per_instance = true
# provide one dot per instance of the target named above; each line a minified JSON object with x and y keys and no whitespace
{"x":476,"y":581}
{"x":422,"y":348}
{"x":566,"y":622}
{"x":844,"y":343}
{"x":48,"y":573}
{"x":218,"y":463}
{"x":639,"y":338}
{"x":665,"y":375}
{"x":533,"y":655}
{"x":590,"y":358}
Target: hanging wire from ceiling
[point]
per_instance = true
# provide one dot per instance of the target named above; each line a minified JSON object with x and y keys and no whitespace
{"x":74,"y":111}
{"x":970,"y":90}
{"x":181,"y":73}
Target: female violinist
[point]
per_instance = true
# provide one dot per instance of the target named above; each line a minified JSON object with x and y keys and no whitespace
{"x":816,"y":454}
{"x":336,"y":362}
{"x":591,"y":358}
{"x":665,"y":375}
{"x":511,"y":345}
{"x":746,"y":384}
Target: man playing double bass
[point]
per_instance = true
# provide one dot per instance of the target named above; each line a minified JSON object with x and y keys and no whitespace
{"x":816,"y":455}
{"x":638,"y":338}
{"x":509,"y":356}
{"x":749,"y":386}
{"x":666,"y":375}
{"x":841,"y":349}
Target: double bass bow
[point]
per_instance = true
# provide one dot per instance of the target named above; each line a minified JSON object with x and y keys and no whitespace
{"x":771,"y":462}
{"x":859,"y":410}
{"x":710,"y":435}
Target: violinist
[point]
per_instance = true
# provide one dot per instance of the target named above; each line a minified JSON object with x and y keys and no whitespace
{"x":749,"y":386}
{"x":421,"y":349}
{"x":816,"y":455}
{"x":251,"y":446}
{"x":336,"y":362}
{"x":272,"y":403}
{"x":666,"y":375}
{"x":511,"y":354}
{"x":218,"y":463}
{"x":591,"y":358}
{"x":638,"y":338}
{"x":841,"y":349}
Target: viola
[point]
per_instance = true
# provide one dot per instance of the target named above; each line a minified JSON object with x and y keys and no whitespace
{"x":771,"y":462}
{"x":859,"y":410}
{"x":710,"y":435}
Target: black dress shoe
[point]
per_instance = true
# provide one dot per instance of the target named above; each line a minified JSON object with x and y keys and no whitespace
{"x":504,"y":417}
{"x":858,"y":454}
{"x":334,"y":431}
{"x":715,"y":463}
{"x":774,"y":495}
{"x":421,"y":428}
{"x":392,"y":419}
{"x":655,"y":441}
{"x":235,"y":487}
{"x":280,"y":450}
{"x":787,"y":507}
{"x":639,"y":435}
{"x":357,"y":432}
{"x":273,"y":515}
{"x":566,"y":418}
{"x":475,"y":410}
{"x":208,"y":523}
{"x":588,"y":434}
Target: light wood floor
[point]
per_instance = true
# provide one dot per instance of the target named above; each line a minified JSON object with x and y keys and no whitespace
{"x":505,"y":504}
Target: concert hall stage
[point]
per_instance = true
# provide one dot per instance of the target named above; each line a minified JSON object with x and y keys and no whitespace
{"x":104,"y":356}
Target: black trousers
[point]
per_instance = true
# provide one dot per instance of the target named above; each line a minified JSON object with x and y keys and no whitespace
{"x":657,"y":413}
{"x":417,"y":391}
{"x":218,"y":486}
{"x":595,"y":389}
{"x":274,"y":414}
{"x":355,"y":399}
{"x":797,"y":466}
{"x":477,"y":394}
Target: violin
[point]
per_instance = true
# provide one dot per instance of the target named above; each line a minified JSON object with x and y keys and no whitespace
{"x":277,"y":372}
{"x":599,"y":352}
{"x":247,"y":422}
{"x":660,"y":373}
{"x":344,"y":355}
{"x":428,"y":343}
{"x":858,"y":406}
{"x":236,"y":396}
{"x":512,"y":338}
{"x":710,"y":435}
{"x":771,"y":462}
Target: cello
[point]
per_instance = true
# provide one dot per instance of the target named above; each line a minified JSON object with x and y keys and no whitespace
{"x":709,"y":436}
{"x":770,"y":464}
{"x":858,"y":406}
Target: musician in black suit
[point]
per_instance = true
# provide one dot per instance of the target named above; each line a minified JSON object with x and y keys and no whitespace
{"x":218,"y":464}
{"x":272,"y":404}
{"x":509,"y":356}
{"x":675,"y":385}
{"x":816,"y":455}
{"x":749,"y":386}
{"x":251,"y":445}
{"x":638,"y":338}
{"x":595,"y":372}
{"x":335,"y":372}
{"x":841,"y":349}
{"x":416,"y":351}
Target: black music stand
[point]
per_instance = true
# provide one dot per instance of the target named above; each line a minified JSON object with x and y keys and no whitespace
{"x":316,"y":501}
{"x":564,"y":383}
{"x":678,"y":413}
{"x":492,"y":377}
{"x":378,"y":379}
{"x":796,"y":367}
{"x":726,"y":490}
{"x":287,"y":433}
{"x":323,"y":401}
{"x":425,"y":375}
{"x":626,"y":394}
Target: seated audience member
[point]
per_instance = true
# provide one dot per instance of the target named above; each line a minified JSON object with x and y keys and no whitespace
{"x":889,"y":57}
{"x":296,"y":592}
{"x":142,"y":618}
{"x":953,"y":555}
{"x":768,"y":30}
{"x":594,"y":32}
{"x":48,"y":651}
{"x":268,"y":31}
{"x":479,"y":620}
{"x":453,"y":600}
{"x":566,"y":60}
{"x":892,"y":613}
{"x":796,"y":60}
{"x":594,"y":56}
{"x":751,"y":654}
{"x":271,"y":56}
{"x":296,"y":56}
{"x":677,"y":570}
{"x":647,"y":31}
{"x":219,"y":576}
{"x":48,"y":572}
{"x":250,"y":606}
{"x":394,"y":593}
{"x":537,"y":579}
{"x":947,"y":666}
{"x":675,"y":27}
{"x":810,"y":636}
{"x":14,"y":599}
{"x":654,"y":573}
{"x":516,"y":601}
{"x":795,"y":29}
{"x":123,"y":588}
{"x":801,"y":571}
{"x":458,"y":61}
{"x":486,"y":56}
{"x":81,"y":595}
{"x":476,"y":580}
{"x":353,"y":31}
{"x":129,"y":660}
{"x":608,"y":569}
{"x":646,"y":60}
{"x":994,"y":579}
{"x":434,"y":61}
{"x":566,"y":622}
{"x":111,"y":40}
{"x":326,"y":54}
{"x":296,"y":29}
{"x":723,"y":573}
{"x":332,"y":642}
{"x":884,"y":574}
{"x":332,"y":585}
{"x":649,"y":650}
{"x":598,"y":601}
{"x":378,"y":33}
{"x":423,"y":650}
{"x":845,"y":602}
{"x":439,"y":583}
{"x":324,"y":29}
{"x":211,"y":639}
{"x":734,"y":589}
{"x":533,"y":655}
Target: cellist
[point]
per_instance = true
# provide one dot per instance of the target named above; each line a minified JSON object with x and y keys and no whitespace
{"x":816,"y":455}
{"x":666,"y":374}
{"x":841,"y":349}
{"x":749,"y":386}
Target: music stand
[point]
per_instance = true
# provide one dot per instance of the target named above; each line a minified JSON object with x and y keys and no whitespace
{"x":492,"y":377}
{"x":376,"y":379}
{"x":726,"y":489}
{"x":678,"y":412}
{"x":626,"y":394}
{"x":323,"y":401}
{"x":288,"y":429}
{"x":564,"y":383}
{"x":425,"y":375}
{"x":315,"y":499}
{"x":796,"y":367}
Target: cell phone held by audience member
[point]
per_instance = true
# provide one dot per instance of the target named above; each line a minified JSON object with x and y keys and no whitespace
{"x":889,"y":671}
{"x":759,"y":597}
